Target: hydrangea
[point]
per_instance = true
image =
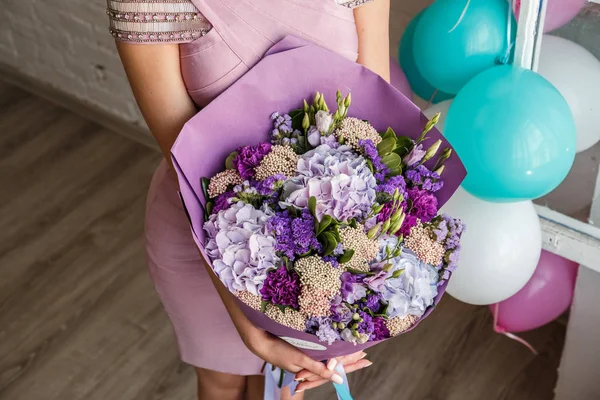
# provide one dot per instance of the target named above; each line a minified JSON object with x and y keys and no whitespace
{"x":294,"y":235}
{"x":413,"y":291}
{"x":249,"y":157}
{"x":339,"y":179}
{"x":240,"y":246}
{"x":281,"y":287}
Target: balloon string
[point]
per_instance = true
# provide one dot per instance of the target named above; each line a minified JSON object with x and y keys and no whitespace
{"x":431,"y":98}
{"x":502,"y":331}
{"x":462,"y":15}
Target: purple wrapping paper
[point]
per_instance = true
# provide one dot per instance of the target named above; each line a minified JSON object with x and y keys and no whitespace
{"x":292,"y":70}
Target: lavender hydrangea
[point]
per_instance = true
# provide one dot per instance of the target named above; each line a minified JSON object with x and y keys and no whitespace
{"x":339,"y":179}
{"x":241,"y":247}
{"x":370,"y":151}
{"x":423,"y":178}
{"x":413,"y":291}
{"x":294,"y":235}
{"x":249,"y":157}
{"x":281,"y":287}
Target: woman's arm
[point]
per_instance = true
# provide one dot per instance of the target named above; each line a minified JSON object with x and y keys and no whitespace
{"x":372,"y":25}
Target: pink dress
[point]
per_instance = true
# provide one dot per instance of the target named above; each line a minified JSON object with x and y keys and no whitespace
{"x":219,"y":41}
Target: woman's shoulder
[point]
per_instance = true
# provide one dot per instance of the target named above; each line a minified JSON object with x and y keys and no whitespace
{"x":152,"y":21}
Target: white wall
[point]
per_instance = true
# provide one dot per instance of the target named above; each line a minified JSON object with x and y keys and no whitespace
{"x":66,"y":44}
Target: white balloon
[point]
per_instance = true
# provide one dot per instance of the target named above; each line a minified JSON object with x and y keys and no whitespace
{"x":500,"y":248}
{"x":575,"y":72}
{"x":442,"y":107}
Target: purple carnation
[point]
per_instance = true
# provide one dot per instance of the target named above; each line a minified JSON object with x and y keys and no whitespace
{"x":249,"y":157}
{"x":222,"y":201}
{"x":295,"y":236}
{"x":385,"y":213}
{"x":424,"y":204}
{"x":380,"y":330}
{"x":281,"y":287}
{"x":409,"y":221}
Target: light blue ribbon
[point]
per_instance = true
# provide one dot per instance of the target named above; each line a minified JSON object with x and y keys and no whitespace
{"x":276,"y":379}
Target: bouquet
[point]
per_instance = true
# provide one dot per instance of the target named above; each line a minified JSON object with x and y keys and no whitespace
{"x":322,"y":222}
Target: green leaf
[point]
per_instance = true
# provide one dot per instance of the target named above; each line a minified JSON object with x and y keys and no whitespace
{"x":329,"y":244}
{"x":392,"y":160}
{"x":204,"y":182}
{"x":386,"y":146}
{"x":312,"y":205}
{"x":297,"y":116}
{"x":336,"y":234}
{"x":263,"y":306}
{"x":389,"y":133}
{"x":209,"y":207}
{"x":404,"y":145}
{"x":396,"y":171}
{"x":370,"y":165}
{"x":353,"y":223}
{"x":229,"y":160}
{"x":347,"y":256}
{"x":325,"y":222}
{"x":357,"y":272}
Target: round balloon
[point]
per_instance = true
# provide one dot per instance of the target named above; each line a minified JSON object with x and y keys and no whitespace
{"x":441,"y":108}
{"x":547,"y":295}
{"x":454,"y":40}
{"x":514,"y":133}
{"x":398,"y":79}
{"x":558,"y":12}
{"x":575,"y":72}
{"x":499,"y":249}
{"x":418,"y":84}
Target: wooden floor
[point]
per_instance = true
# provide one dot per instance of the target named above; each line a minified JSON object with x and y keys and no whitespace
{"x":79,"y":318}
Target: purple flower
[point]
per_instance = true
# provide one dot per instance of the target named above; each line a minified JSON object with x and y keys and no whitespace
{"x":270,"y":186}
{"x":370,"y":150}
{"x":321,"y":327}
{"x":294,"y":236}
{"x":372,"y":302}
{"x":281,"y":287}
{"x":380,"y":330}
{"x":385,"y":213}
{"x":249,"y":157}
{"x":352,"y":288}
{"x":366,"y":326}
{"x":423,"y":178}
{"x":340,"y":312}
{"x":409,"y":222}
{"x":416,"y":155}
{"x":390,"y":186}
{"x":332,"y":260}
{"x":222,"y":201}
{"x":424,"y":204}
{"x":441,"y":231}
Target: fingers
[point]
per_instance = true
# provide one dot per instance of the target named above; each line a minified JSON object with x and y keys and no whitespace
{"x":311,"y":384}
{"x":319,"y":369}
{"x":344,"y":360}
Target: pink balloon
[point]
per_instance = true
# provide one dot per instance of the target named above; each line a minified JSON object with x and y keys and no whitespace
{"x":558,"y":12}
{"x":546,"y":296}
{"x":398,"y":79}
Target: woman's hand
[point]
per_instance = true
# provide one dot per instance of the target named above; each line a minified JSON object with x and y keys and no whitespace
{"x":351,"y":363}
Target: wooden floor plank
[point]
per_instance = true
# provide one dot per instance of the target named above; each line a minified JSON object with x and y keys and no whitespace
{"x":79,"y":319}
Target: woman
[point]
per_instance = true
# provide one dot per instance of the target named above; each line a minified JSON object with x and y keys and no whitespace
{"x":200,"y":48}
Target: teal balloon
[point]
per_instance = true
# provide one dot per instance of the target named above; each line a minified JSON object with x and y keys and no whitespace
{"x":418,"y":84}
{"x":514,"y":133}
{"x":451,"y":47}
